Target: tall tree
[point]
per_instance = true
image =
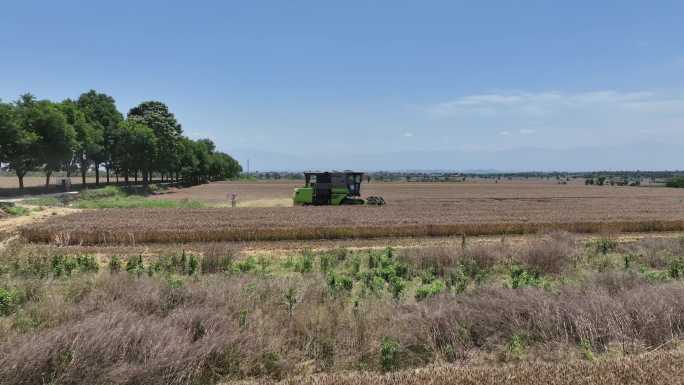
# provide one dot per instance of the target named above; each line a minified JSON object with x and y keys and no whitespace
{"x":19,"y":145}
{"x":156,"y":115}
{"x":100,"y":111}
{"x":136,"y":148}
{"x":57,"y":137}
{"x":88,"y":140}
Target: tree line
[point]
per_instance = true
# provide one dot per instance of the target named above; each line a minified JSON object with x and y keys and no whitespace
{"x":91,"y":134}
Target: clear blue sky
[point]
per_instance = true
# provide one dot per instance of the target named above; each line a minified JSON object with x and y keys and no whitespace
{"x":376,"y":84}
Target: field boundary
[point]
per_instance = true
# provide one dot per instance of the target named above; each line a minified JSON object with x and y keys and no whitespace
{"x":48,"y":234}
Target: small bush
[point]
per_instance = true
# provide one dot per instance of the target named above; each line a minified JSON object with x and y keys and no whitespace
{"x":430,"y":290}
{"x":676,"y":268}
{"x":114,"y":264}
{"x":676,"y":182}
{"x":304,"y":264}
{"x":8,"y":301}
{"x":17,"y":211}
{"x":604,"y":245}
{"x":397,"y":287}
{"x":523,"y":278}
{"x":246,"y":265}
{"x":457,"y":279}
{"x":134,"y":265}
{"x":338,"y":283}
{"x":389,"y":354}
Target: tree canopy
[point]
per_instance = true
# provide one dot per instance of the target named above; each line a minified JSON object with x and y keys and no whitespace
{"x":90,"y":133}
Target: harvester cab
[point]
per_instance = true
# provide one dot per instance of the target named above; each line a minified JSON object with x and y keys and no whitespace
{"x":332,"y":188}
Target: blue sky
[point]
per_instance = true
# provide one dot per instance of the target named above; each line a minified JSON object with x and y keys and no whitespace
{"x":513,"y":85}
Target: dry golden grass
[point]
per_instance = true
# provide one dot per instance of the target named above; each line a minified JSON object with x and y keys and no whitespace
{"x":653,"y":369}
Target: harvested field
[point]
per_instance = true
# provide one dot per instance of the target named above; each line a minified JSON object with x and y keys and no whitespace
{"x":423,"y":193}
{"x":413,"y":210}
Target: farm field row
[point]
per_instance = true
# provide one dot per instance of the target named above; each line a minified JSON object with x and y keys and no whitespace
{"x":470,"y":217}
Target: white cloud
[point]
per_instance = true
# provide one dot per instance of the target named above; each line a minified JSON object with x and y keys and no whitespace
{"x":564,"y":119}
{"x":544,"y":103}
{"x":407,"y":134}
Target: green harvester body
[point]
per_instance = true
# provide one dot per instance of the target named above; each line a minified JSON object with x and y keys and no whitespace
{"x":332,"y":189}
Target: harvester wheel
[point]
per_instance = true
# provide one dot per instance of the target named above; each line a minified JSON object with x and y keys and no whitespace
{"x":375,"y":201}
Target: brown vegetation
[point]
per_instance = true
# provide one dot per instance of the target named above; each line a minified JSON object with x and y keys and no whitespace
{"x":274,"y":319}
{"x":660,"y":368}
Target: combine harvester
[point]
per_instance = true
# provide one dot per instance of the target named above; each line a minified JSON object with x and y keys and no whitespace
{"x":333,"y":189}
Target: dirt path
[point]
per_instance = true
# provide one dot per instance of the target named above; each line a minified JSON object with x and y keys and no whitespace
{"x":10,"y":225}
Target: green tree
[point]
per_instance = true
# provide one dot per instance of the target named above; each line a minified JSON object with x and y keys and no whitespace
{"x":136,"y":148}
{"x":88,"y":137}
{"x":57,"y":137}
{"x":156,"y":115}
{"x":19,"y":145}
{"x":48,"y":138}
{"x":100,"y":111}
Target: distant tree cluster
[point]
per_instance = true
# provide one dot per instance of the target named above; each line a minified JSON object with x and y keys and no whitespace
{"x":677,"y":182}
{"x":91,"y":134}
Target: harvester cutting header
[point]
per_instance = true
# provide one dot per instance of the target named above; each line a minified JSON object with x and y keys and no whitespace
{"x":333,"y":189}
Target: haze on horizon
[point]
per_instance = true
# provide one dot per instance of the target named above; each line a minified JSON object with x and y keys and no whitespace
{"x":376,"y":85}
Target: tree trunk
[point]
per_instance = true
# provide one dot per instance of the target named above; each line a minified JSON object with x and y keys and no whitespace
{"x":135,"y":176}
{"x":47,"y":179}
{"x":126,"y":177}
{"x":21,"y":180}
{"x":107,"y":169}
{"x":84,"y":171}
{"x":146,"y":177}
{"x":97,"y":174}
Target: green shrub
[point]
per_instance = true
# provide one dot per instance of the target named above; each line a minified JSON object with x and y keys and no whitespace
{"x":134,"y":265}
{"x":339,"y":283}
{"x":43,"y":201}
{"x":429,"y":290}
{"x":114,"y":264}
{"x":8,"y":301}
{"x":290,"y":300}
{"x":603,"y":245}
{"x":17,"y":211}
{"x":193,"y":265}
{"x":397,"y":287}
{"x":676,"y":182}
{"x":87,"y":264}
{"x":676,"y":268}
{"x":326,"y":262}
{"x":246,"y":265}
{"x":105,"y":192}
{"x":389,"y":354}
{"x":587,"y":351}
{"x":304,"y":263}
{"x":516,"y":346}
{"x":523,"y":278}
{"x":457,"y":279}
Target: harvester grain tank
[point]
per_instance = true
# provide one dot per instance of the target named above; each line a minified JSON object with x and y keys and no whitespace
{"x":333,"y":189}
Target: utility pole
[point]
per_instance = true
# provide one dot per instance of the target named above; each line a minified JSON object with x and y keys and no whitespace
{"x":247,"y":166}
